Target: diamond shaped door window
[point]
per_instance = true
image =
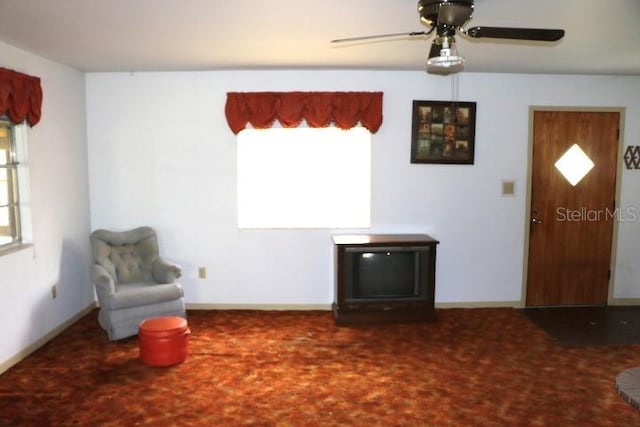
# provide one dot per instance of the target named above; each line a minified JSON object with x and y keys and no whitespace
{"x":574,"y":164}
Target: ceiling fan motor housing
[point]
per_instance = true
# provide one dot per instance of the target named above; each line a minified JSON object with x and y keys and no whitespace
{"x":450,"y":13}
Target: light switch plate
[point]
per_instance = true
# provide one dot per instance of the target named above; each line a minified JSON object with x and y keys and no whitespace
{"x":508,"y":188}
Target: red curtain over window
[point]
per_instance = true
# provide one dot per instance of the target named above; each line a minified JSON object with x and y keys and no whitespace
{"x":20,"y":96}
{"x":319,"y":109}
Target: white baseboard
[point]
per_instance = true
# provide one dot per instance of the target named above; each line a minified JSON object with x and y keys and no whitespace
{"x":625,"y":301}
{"x":327,"y":307}
{"x":298,"y":307}
{"x":45,"y":339}
{"x":481,"y":304}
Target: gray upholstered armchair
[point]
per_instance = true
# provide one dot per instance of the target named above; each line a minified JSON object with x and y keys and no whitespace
{"x":132,"y":281}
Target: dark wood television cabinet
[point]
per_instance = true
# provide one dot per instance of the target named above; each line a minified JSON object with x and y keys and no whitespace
{"x":350,"y":307}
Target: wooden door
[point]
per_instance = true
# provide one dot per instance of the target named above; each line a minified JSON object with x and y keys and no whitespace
{"x":571,"y":227}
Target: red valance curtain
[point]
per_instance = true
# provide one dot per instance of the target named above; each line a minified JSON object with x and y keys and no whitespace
{"x":319,"y":109}
{"x":20,"y":96}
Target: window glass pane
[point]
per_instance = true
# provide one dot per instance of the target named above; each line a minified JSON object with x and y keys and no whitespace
{"x":304,"y":178}
{"x":4,"y":218}
{"x":4,"y":193}
{"x":12,"y":139}
{"x":5,"y":140}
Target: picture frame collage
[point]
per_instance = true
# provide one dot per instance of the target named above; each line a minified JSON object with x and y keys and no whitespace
{"x":443,"y":132}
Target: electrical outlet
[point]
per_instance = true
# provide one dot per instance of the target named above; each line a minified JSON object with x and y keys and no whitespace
{"x":54,"y":291}
{"x":202,"y":272}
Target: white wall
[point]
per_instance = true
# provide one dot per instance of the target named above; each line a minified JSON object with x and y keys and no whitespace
{"x":161,"y":154}
{"x":59,"y":202}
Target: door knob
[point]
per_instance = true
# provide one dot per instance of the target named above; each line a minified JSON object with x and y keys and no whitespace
{"x":536,"y":221}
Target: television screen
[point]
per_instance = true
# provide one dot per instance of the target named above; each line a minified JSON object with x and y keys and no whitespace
{"x":385,"y":274}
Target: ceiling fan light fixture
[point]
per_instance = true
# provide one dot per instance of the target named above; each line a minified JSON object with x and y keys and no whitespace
{"x":443,"y":56}
{"x":448,"y":18}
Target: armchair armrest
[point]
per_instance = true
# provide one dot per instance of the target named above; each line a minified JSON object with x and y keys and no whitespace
{"x":165,"y":272}
{"x":103,"y":282}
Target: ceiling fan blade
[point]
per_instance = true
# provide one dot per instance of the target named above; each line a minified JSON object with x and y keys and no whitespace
{"x":539,"y":34}
{"x":381,"y":36}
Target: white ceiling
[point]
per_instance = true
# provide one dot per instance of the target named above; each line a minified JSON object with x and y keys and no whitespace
{"x":602,"y":36}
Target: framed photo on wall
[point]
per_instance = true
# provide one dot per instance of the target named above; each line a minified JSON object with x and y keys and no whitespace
{"x":443,"y":132}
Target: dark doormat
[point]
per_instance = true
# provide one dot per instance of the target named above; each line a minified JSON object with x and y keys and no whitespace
{"x":612,"y":325}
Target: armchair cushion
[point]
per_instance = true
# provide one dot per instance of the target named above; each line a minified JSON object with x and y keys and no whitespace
{"x":144,"y":293}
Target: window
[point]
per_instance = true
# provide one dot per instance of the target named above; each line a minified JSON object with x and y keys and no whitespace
{"x":304,"y":178}
{"x":11,"y":173}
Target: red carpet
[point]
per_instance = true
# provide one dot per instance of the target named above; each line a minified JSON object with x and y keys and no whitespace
{"x":473,"y":367}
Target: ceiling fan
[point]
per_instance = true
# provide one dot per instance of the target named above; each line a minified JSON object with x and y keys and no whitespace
{"x":446,"y":17}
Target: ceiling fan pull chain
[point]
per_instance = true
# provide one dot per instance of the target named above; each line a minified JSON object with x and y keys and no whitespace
{"x":455,"y":88}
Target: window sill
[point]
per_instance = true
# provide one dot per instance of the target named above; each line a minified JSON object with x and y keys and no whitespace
{"x":16,"y":247}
